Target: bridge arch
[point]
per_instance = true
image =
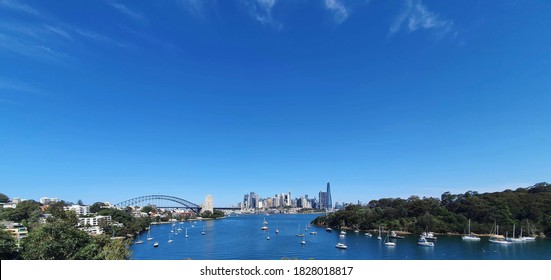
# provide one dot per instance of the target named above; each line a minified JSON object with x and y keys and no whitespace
{"x":159,"y":198}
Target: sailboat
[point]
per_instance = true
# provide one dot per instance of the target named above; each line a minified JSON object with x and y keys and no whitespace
{"x":428,"y":235}
{"x":379,"y":237}
{"x":156,"y":244}
{"x":186,"y":234}
{"x":303,"y":242}
{"x":387,"y":241}
{"x":531,"y":237}
{"x":170,"y":237}
{"x":328,"y":228}
{"x":342,"y":226}
{"x":138,"y":240}
{"x":499,"y":239}
{"x":149,"y":238}
{"x":470,"y":236}
{"x":264,"y":227}
{"x":518,"y":239}
{"x":298,"y":231}
{"x":203,"y":232}
{"x":423,"y":242}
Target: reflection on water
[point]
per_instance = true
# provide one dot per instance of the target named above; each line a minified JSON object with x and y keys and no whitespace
{"x":241,"y":238}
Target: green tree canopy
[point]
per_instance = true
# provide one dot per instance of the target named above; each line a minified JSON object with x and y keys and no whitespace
{"x":96,"y":207}
{"x":61,"y":240}
{"x":4,"y":198}
{"x":451,"y":212}
{"x":22,"y":212}
{"x":8,"y":245}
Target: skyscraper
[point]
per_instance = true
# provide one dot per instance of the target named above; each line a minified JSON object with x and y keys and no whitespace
{"x":323,"y":200}
{"x":329,"y":202}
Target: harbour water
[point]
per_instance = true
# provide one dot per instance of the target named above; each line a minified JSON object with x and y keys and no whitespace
{"x":240,"y":238}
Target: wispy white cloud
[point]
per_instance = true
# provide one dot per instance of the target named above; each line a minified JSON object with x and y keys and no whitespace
{"x":339,"y":10}
{"x":196,"y":8}
{"x":30,"y":48}
{"x":99,"y":38}
{"x":18,"y":6}
{"x":43,"y":36}
{"x":12,"y":85}
{"x":58,"y":31}
{"x":416,"y":16}
{"x":127,"y":12}
{"x":261,"y":10}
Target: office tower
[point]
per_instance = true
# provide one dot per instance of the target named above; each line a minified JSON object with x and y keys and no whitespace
{"x":322,"y":200}
{"x":329,"y":202}
{"x":245,"y":204}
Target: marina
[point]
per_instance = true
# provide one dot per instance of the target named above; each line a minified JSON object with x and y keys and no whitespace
{"x":240,"y":238}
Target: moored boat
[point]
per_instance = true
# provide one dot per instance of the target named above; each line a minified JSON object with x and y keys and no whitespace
{"x":341,"y":246}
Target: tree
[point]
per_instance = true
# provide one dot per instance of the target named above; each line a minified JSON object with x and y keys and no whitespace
{"x":4,"y":198}
{"x":8,"y":246}
{"x":60,"y":239}
{"x":96,"y":207}
{"x":79,"y":202}
{"x":23,"y":211}
{"x":55,"y":240}
{"x":58,"y":213}
{"x":148,"y":209}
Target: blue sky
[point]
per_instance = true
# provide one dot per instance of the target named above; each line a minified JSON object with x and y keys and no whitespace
{"x":109,"y":100}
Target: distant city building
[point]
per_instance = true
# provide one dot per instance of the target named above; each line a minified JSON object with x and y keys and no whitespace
{"x":322,"y":200}
{"x":286,"y":199}
{"x":269,"y":202}
{"x":252,"y":202}
{"x":314,"y":203}
{"x":208,"y":205}
{"x":47,"y":200}
{"x":329,"y":202}
{"x":245,"y":204}
{"x":275,"y":201}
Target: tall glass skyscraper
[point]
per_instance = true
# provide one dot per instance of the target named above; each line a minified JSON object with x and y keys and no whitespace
{"x":329,"y":202}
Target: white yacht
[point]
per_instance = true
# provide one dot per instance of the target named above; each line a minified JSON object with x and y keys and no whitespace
{"x":470,"y":236}
{"x":423,"y":242}
{"x":341,"y":246}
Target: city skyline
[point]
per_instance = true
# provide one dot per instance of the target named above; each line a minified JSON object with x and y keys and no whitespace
{"x":189,"y":98}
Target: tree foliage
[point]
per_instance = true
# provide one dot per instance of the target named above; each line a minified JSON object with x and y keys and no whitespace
{"x":212,"y":215}
{"x":4,"y":198}
{"x":450,"y":213}
{"x":8,"y":246}
{"x":96,"y":207}
{"x":60,"y":239}
{"x":27,"y":212}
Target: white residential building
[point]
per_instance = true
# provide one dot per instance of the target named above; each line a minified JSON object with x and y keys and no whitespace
{"x":92,"y":221}
{"x":80,"y":210}
{"x":47,"y":200}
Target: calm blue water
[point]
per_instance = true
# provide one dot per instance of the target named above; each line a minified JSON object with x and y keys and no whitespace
{"x":241,"y":238}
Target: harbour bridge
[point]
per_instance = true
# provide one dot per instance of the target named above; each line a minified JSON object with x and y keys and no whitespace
{"x":166,"y":201}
